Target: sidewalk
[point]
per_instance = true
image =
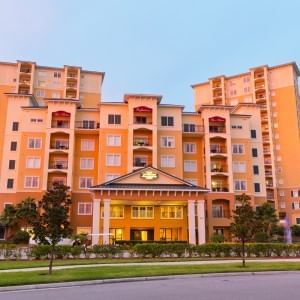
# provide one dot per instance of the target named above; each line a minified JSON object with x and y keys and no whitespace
{"x":173,"y":263}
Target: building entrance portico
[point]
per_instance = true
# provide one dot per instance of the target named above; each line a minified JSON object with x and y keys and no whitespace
{"x":148,"y":205}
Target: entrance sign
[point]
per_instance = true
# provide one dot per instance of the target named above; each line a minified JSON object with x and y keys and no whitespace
{"x":149,"y":175}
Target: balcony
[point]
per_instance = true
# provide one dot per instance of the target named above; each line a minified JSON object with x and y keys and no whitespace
{"x":25,"y":70}
{"x":219,"y":169}
{"x":268,"y":173}
{"x":60,"y":145}
{"x":52,"y":183}
{"x":220,"y":189}
{"x":220,"y":214}
{"x":58,"y":165}
{"x":72,"y":75}
{"x":142,"y":120}
{"x":217,"y":129}
{"x":141,"y":142}
{"x":259,"y":75}
{"x":217,"y":149}
{"x":60,"y":124}
{"x":87,"y":124}
{"x":191,"y":129}
{"x":140,"y":163}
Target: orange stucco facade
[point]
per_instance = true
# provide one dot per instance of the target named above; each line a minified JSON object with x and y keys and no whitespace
{"x":242,"y":137}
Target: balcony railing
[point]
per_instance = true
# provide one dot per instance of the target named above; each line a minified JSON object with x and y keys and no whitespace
{"x":217,"y":129}
{"x":142,"y":121}
{"x":59,"y":165}
{"x":217,"y":149}
{"x":87,"y":124}
{"x":52,"y":183}
{"x":140,"y":163}
{"x":192,"y":128}
{"x":220,"y":189}
{"x":72,"y":75}
{"x":61,"y":146}
{"x":25,"y":70}
{"x":220,"y":214}
{"x":60,"y":124}
{"x":141,"y":142}
{"x":219,"y":169}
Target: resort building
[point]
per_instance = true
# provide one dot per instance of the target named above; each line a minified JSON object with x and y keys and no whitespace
{"x":139,"y":169}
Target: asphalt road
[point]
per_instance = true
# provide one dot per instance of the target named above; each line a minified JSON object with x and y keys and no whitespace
{"x":279,"y":286}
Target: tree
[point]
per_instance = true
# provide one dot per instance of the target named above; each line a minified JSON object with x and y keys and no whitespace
{"x":8,"y":218}
{"x":26,"y":211}
{"x":52,"y":224}
{"x":266,"y":219}
{"x":243,"y":225}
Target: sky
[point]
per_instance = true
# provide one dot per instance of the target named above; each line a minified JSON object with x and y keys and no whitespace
{"x":155,"y":46}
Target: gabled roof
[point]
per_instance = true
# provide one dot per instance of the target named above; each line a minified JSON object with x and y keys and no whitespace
{"x":135,"y":181}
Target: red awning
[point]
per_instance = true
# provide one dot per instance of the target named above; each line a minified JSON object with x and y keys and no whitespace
{"x":216,"y":119}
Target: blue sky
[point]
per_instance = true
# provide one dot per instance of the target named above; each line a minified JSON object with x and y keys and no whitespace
{"x":159,"y":47}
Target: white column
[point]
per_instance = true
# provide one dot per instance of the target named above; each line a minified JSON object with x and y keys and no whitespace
{"x":191,"y":219}
{"x":201,"y":221}
{"x":106,"y":221}
{"x":96,"y":221}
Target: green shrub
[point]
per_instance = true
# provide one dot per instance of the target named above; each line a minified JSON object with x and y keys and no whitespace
{"x":40,"y":251}
{"x":76,"y":251}
{"x":261,"y":237}
{"x":21,"y":237}
{"x":151,"y":249}
{"x":62,"y":251}
{"x":105,"y":250}
{"x":217,"y":238}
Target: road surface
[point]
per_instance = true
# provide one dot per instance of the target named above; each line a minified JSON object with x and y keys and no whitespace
{"x":278,"y":286}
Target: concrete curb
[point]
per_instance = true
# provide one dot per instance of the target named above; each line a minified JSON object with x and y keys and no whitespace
{"x":58,"y":285}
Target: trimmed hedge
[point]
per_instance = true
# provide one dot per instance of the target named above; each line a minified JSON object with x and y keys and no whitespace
{"x":152,"y":250}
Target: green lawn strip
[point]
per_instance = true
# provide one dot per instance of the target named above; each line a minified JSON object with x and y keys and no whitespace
{"x":113,"y":272}
{"x":6,"y":265}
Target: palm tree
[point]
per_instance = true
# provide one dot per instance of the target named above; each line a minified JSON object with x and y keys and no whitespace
{"x":8,"y":219}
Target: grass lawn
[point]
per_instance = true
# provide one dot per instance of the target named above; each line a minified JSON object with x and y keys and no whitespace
{"x":18,"y":264}
{"x":109,"y":272}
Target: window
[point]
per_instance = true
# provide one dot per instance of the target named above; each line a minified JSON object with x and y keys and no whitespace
{"x":33,"y":163}
{"x":113,"y":140}
{"x":257,"y":187}
{"x":10,"y":183}
{"x":190,"y":166}
{"x":239,"y":167}
{"x":247,"y":89}
{"x":2,"y":232}
{"x":15,"y":126}
{"x":171,"y":212}
{"x":113,"y":159}
{"x":295,"y":193}
{"x":116,"y":211}
{"x":35,"y":120}
{"x":238,"y":149}
{"x":295,"y":205}
{"x":31,"y":182}
{"x":34,"y":143}
{"x":281,"y":193}
{"x":86,"y":163}
{"x":167,"y":142}
{"x":298,"y":221}
{"x":13,"y":146}
{"x":116,"y":233}
{"x":240,"y":185}
{"x":167,"y":161}
{"x":142,"y":212}
{"x":236,"y":126}
{"x":84,"y":208}
{"x":11,"y":164}
{"x":85,"y":182}
{"x":253,"y":133}
{"x":87,"y":145}
{"x":41,"y":83}
{"x":167,"y":121}
{"x":218,"y":211}
{"x":57,"y":74}
{"x":189,"y":127}
{"x":254,"y":152}
{"x":114,"y":119}
{"x":255,"y":170}
{"x":169,"y":234}
{"x":88,"y":124}
{"x":40,"y":93}
{"x":109,"y":177}
{"x":189,"y":147}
